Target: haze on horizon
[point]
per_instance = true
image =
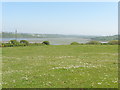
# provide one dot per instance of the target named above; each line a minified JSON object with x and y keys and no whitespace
{"x":78,"y":18}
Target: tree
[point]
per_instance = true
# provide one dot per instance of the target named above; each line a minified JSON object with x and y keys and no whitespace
{"x":46,"y":42}
{"x":93,"y":42}
{"x":13,"y":42}
{"x":113,"y":42}
{"x":75,"y":43}
{"x":24,"y":41}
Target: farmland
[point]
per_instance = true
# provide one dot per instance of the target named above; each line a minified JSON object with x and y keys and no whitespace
{"x":60,"y":66}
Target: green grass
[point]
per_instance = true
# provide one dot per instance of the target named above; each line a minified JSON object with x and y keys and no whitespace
{"x":60,"y":66}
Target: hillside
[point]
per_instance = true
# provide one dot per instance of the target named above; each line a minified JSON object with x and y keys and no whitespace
{"x":29,"y":35}
{"x":105,"y":38}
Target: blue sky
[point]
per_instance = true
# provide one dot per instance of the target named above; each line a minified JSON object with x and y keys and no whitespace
{"x":81,"y":18}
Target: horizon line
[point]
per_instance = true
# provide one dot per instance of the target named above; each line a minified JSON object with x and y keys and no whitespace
{"x":58,"y":34}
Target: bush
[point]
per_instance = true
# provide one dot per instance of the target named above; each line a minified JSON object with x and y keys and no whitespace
{"x":114,"y":42}
{"x":7,"y":45}
{"x":13,"y":42}
{"x":75,"y":43}
{"x":46,"y":42}
{"x":35,"y":44}
{"x":20,"y":44}
{"x":24,"y":42}
{"x":93,"y":42}
{"x":12,"y":45}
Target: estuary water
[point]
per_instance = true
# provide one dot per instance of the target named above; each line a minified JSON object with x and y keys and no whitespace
{"x":53,"y":41}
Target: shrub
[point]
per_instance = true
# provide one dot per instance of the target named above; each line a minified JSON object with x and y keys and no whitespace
{"x":12,"y":45}
{"x":21,"y":44}
{"x":75,"y":43}
{"x":46,"y":42}
{"x":118,"y":42}
{"x":24,"y":42}
{"x":94,"y":42}
{"x":113,"y":42}
{"x":35,"y":44}
{"x":7,"y":45}
{"x":13,"y":42}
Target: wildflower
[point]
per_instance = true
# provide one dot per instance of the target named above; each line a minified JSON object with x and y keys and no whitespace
{"x":14,"y":81}
{"x":108,"y":84}
{"x":49,"y":82}
{"x":106,"y":75}
{"x":25,"y":78}
{"x":114,"y":81}
{"x":99,"y":83}
{"x":40,"y":75}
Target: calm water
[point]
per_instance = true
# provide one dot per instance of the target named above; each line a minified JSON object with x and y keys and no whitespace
{"x":53,"y":41}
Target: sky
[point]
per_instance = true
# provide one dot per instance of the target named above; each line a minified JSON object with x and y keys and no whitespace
{"x":80,"y":18}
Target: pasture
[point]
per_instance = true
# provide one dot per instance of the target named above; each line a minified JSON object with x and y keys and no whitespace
{"x":60,"y":66}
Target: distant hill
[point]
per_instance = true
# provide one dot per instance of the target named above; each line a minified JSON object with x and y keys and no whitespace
{"x":28,"y":35}
{"x":106,"y":38}
{"x":12,"y":35}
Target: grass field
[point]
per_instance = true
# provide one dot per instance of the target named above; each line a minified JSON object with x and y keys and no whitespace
{"x":60,"y":66}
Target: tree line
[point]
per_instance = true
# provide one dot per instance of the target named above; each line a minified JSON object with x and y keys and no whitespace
{"x":112,"y":42}
{"x":14,"y":43}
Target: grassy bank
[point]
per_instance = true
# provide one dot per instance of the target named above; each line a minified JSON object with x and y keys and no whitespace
{"x":60,"y":66}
